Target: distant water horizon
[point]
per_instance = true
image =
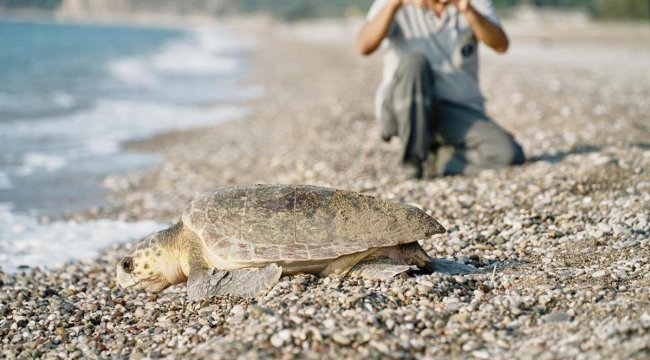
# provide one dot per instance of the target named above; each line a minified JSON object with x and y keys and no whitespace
{"x":71,"y":95}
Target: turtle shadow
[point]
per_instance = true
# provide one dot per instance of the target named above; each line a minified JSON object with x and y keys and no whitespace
{"x":578,"y":149}
{"x":556,"y":157}
{"x":451,"y":267}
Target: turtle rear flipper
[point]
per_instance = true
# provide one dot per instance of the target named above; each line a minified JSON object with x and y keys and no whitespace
{"x":450,"y":267}
{"x":414,"y":254}
{"x":204,"y":283}
{"x":382,"y":268}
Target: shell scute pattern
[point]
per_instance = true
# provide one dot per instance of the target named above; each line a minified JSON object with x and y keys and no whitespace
{"x":300,"y":222}
{"x":270,"y":218}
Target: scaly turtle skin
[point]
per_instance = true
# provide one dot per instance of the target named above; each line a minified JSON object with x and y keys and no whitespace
{"x":240,"y":240}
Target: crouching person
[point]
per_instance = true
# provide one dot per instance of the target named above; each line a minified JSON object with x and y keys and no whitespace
{"x":430,"y":96}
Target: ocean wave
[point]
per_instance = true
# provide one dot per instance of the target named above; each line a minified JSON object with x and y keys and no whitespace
{"x":203,"y":52}
{"x":75,"y":131}
{"x":5,"y":181}
{"x":101,"y":130}
{"x":63,"y":100}
{"x":35,"y":161}
{"x":18,"y":105}
{"x":114,"y":121}
{"x":134,"y":72}
{"x":4,"y":99}
{"x":25,"y":241}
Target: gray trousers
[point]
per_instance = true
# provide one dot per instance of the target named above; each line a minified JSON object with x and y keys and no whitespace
{"x":461,"y":139}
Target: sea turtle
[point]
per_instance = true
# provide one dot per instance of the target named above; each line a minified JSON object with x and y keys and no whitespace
{"x":240,"y":240}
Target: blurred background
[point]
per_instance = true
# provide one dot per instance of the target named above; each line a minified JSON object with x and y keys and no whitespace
{"x":297,"y":9}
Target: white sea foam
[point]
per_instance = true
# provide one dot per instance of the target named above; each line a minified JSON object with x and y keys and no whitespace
{"x":5,"y":181}
{"x":203,"y":52}
{"x":87,"y":135}
{"x":34,"y":161}
{"x":134,"y":72}
{"x":23,"y":241}
{"x":63,"y":100}
{"x":4,"y":98}
{"x":117,"y":121}
{"x":184,"y":58}
{"x":100,"y":130}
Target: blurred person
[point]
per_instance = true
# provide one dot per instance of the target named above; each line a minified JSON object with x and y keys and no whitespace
{"x":430,"y":96}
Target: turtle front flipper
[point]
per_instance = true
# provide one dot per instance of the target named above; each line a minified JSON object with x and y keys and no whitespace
{"x":203,"y":283}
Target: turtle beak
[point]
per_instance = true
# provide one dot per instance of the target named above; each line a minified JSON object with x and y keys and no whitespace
{"x":125,"y":280}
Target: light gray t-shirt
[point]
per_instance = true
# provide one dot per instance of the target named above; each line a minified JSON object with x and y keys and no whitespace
{"x":448,"y":43}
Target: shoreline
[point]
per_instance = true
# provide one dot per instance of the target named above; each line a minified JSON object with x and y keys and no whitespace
{"x":107,"y":19}
{"x":573,"y":216}
{"x":29,"y":217}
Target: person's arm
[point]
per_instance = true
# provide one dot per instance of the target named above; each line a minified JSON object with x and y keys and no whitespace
{"x":375,"y":30}
{"x":485,"y":30}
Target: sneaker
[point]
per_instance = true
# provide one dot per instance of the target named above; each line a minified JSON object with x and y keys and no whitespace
{"x":411,"y":169}
{"x":429,"y":166}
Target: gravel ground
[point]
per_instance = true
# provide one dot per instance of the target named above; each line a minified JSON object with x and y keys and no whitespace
{"x":567,"y":233}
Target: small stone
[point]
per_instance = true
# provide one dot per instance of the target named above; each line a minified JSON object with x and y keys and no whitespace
{"x":484,"y":288}
{"x":208,"y":310}
{"x":604,"y":228}
{"x":645,"y":320}
{"x":237,"y":314}
{"x":21,"y":323}
{"x":257,"y":310}
{"x":599,"y":273}
{"x":329,"y":324}
{"x":119,"y":301}
{"x":276,"y":341}
{"x":281,"y":338}
{"x":417,"y":343}
{"x":597,"y":234}
{"x":341,"y":339}
{"x":452,"y":306}
{"x":380,"y":346}
{"x":557,"y":317}
{"x":49,"y":292}
{"x":481,"y":354}
{"x":423,"y":289}
{"x":488,"y":336}
{"x":139,"y":313}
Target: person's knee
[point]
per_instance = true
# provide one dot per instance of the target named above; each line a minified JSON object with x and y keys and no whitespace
{"x":413,"y":63}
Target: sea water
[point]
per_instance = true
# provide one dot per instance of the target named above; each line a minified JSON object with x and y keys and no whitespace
{"x":71,"y":95}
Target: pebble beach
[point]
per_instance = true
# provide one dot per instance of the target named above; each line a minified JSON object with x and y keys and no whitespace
{"x":562,"y":242}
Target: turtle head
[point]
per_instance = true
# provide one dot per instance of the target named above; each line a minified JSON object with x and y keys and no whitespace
{"x":153,"y":264}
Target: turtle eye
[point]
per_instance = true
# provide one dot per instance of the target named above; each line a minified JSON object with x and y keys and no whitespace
{"x":127,"y":265}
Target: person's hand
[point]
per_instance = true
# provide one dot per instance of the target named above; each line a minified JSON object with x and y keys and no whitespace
{"x":462,"y":5}
{"x":420,"y":3}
